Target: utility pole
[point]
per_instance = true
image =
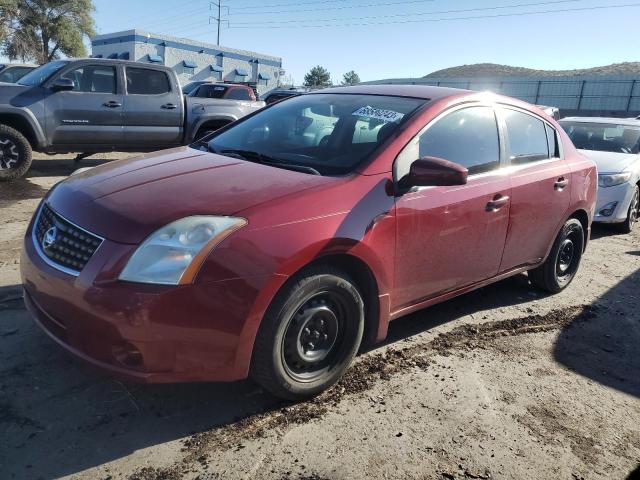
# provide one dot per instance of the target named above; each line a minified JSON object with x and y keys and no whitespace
{"x":218,"y":19}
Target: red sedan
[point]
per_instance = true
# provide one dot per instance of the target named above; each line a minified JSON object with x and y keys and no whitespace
{"x":274,"y":247}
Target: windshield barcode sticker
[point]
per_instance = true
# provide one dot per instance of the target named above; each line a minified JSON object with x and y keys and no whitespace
{"x":378,"y":114}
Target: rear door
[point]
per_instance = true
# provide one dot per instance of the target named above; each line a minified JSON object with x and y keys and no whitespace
{"x":90,"y":116}
{"x":153,"y":109}
{"x":451,"y":237}
{"x":540,"y":187}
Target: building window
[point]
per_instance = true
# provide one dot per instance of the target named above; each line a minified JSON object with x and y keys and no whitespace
{"x":263,"y":78}
{"x":216,"y":72}
{"x":240,"y":75}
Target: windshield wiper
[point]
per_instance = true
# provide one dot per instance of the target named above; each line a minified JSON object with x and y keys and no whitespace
{"x":250,"y":156}
{"x":297,"y":168}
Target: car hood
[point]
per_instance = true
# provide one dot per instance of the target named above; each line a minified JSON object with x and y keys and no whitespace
{"x":610,"y":162}
{"x":127,"y":200}
{"x":8,"y":91}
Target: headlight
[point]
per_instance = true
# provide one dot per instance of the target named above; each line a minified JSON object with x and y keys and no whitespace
{"x":173,"y":255}
{"x":611,"y":180}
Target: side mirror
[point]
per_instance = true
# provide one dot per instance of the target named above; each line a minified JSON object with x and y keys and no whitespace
{"x":434,"y":172}
{"x":63,"y":84}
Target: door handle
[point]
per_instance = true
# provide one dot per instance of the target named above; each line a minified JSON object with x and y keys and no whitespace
{"x":112,"y":104}
{"x":497,"y":203}
{"x":561,"y":183}
{"x":169,"y":106}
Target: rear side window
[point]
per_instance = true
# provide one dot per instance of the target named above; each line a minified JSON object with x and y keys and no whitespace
{"x":211,"y":91}
{"x":468,"y":137}
{"x":93,"y":79}
{"x":527,"y":137}
{"x":144,"y":81}
{"x":552,"y":140}
{"x":239,"y":94}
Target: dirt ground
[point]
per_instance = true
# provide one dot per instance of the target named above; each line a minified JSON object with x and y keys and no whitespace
{"x":501,"y":383}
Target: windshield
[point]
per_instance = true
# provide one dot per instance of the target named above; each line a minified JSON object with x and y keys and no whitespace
{"x":330,"y":134}
{"x":190,"y":87}
{"x":604,"y":137}
{"x":42,"y":73}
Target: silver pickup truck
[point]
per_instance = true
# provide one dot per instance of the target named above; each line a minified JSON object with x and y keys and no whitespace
{"x":99,"y":105}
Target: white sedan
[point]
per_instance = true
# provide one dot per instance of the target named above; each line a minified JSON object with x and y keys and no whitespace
{"x":614,"y":144}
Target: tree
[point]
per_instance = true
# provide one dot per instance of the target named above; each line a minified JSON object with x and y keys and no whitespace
{"x":42,"y":30}
{"x":7,"y":9}
{"x":350,"y":78}
{"x":318,"y":77}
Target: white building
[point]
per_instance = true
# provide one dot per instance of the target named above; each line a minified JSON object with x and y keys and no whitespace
{"x":190,"y":59}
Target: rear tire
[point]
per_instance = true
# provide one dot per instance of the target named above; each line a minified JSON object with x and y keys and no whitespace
{"x":633,"y":214}
{"x":15,"y":154}
{"x":309,"y":335}
{"x":561,"y":266}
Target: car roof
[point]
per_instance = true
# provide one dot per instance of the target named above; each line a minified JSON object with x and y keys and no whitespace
{"x":114,"y":61}
{"x":606,"y":120}
{"x":415,"y":91}
{"x":284,"y":91}
{"x":19,"y":65}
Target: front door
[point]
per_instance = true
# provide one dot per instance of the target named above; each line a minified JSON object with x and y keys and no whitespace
{"x":89,"y":116}
{"x":541,"y":193}
{"x":450,"y":237}
{"x":153,"y":109}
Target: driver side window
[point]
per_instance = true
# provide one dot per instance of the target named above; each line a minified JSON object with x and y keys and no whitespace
{"x":468,"y":137}
{"x":93,"y":79}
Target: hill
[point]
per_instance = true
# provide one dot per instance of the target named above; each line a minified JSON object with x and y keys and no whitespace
{"x":495,"y":70}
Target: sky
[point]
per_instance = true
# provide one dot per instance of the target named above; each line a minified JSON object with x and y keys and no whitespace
{"x":397,"y":38}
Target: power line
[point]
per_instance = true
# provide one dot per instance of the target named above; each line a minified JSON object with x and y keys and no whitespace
{"x":186,"y":15}
{"x":162,"y":12}
{"x":432,"y":20}
{"x":298,"y":4}
{"x":554,"y":2}
{"x":343,"y":7}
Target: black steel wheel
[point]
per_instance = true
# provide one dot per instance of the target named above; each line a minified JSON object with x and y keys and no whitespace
{"x":561,"y":266}
{"x":15,"y":154}
{"x":310,"y":334}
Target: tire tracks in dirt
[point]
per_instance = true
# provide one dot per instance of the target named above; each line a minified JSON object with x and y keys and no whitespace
{"x":362,"y":376}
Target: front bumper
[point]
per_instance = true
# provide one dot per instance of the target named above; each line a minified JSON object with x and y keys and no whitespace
{"x":146,"y":333}
{"x":622,"y":194}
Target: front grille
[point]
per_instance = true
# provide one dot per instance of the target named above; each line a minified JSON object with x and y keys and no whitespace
{"x":63,"y":243}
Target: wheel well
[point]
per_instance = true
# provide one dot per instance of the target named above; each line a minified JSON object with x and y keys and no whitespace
{"x":213,"y":125}
{"x":365,"y":280}
{"x":21,"y":125}
{"x":583,"y":217}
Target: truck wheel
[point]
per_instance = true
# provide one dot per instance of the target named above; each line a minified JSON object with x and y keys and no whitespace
{"x":309,"y":335}
{"x":561,"y":266}
{"x":15,"y":154}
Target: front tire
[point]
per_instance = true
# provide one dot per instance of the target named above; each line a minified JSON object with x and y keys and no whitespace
{"x":561,"y":266}
{"x":633,"y":214}
{"x":15,"y":154}
{"x":309,"y":335}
